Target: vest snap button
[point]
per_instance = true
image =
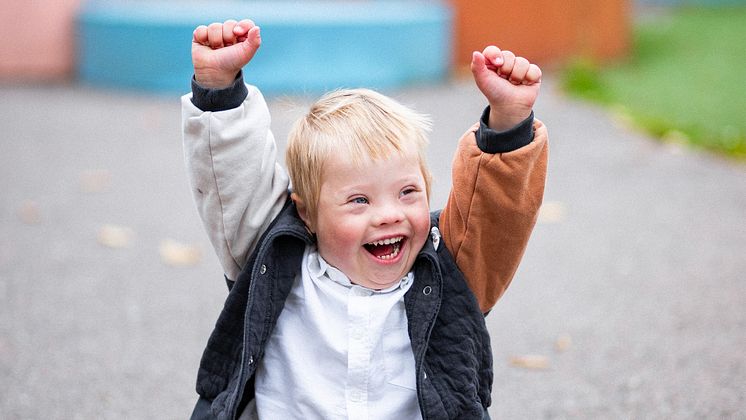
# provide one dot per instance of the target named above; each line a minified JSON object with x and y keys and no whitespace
{"x":427,"y":290}
{"x":263,"y":269}
{"x":435,"y":235}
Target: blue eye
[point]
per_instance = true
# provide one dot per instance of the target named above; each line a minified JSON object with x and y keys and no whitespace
{"x":407,"y":191}
{"x":359,"y":200}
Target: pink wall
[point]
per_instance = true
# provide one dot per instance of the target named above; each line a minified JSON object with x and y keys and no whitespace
{"x":37,"y":39}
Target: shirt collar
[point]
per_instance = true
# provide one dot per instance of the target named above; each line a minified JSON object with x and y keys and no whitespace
{"x":319,"y":269}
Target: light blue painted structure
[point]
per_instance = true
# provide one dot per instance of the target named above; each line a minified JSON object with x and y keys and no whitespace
{"x":308,"y":46}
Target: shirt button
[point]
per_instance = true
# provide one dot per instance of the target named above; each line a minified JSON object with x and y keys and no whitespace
{"x":358,"y":333}
{"x":262,"y":269}
{"x":427,"y":290}
{"x":356,"y":396}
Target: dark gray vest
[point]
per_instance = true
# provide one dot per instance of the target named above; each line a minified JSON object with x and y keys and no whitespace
{"x":449,"y":338}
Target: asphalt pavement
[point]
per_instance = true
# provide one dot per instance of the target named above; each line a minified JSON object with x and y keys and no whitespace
{"x":629,"y":302}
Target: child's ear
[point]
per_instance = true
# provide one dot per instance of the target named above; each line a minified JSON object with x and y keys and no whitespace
{"x":302,"y":211}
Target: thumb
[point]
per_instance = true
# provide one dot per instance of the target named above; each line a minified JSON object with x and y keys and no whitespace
{"x":479,"y":69}
{"x":252,"y":43}
{"x":478,"y":63}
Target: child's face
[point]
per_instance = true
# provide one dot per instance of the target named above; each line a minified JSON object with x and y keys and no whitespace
{"x":372,"y":219}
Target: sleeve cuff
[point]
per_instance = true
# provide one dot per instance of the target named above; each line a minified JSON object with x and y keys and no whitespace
{"x":208,"y":99}
{"x":491,"y":141}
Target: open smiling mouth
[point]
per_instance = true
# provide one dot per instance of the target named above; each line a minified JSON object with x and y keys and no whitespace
{"x":386,"y":249}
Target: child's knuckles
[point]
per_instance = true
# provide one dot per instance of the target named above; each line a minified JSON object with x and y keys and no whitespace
{"x":214,"y":28}
{"x":508,"y":62}
{"x":534,"y":73}
{"x":520,"y":68}
{"x":215,"y":35}
{"x":491,"y":51}
{"x":200,"y":34}
{"x":228,"y":37}
{"x":246,"y":24}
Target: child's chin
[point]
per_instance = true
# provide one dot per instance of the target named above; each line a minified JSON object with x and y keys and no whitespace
{"x":380,"y":281}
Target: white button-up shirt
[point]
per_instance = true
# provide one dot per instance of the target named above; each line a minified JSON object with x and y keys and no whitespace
{"x":338,"y":351}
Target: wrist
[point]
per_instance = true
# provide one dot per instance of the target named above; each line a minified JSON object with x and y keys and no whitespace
{"x":493,"y":141}
{"x":505,"y":119}
{"x":211,"y":79}
{"x":209,"y":99}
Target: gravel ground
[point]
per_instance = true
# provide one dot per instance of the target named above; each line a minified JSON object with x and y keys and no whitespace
{"x":629,"y":302}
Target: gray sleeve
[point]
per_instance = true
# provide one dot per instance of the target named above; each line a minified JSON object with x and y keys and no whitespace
{"x":237,"y":184}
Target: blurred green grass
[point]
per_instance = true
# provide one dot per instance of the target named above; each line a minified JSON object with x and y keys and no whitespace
{"x":685,"y":79}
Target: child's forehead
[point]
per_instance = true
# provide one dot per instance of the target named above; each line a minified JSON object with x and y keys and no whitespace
{"x":343,"y":157}
{"x":346,"y":169}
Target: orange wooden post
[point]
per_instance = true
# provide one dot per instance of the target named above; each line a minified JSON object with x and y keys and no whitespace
{"x":544,"y":31}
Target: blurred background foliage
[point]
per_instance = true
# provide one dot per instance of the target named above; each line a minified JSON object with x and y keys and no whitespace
{"x":683,"y":80}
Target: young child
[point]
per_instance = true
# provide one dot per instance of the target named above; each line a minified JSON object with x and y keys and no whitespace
{"x":348,"y":298}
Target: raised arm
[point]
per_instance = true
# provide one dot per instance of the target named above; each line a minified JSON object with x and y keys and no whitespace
{"x":499,"y":173}
{"x":230,"y":152}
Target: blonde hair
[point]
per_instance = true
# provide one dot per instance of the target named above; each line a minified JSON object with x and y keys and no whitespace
{"x":357,"y":123}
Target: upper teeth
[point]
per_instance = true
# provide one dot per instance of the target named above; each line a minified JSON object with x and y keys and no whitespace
{"x":388,"y":241}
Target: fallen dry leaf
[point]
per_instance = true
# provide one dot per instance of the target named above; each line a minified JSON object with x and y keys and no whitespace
{"x":563,"y":343}
{"x":29,"y":212}
{"x":530,"y":361}
{"x":675,"y":136}
{"x":95,"y":181}
{"x":621,"y":117}
{"x":115,"y":236}
{"x":179,"y":254}
{"x":552,"y":212}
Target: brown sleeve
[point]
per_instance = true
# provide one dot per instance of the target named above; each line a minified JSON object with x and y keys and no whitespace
{"x":491,"y":211}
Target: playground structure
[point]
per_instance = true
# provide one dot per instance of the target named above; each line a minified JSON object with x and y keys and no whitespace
{"x":316,"y":45}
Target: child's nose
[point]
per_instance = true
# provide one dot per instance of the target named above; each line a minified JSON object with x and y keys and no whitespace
{"x":388,"y":214}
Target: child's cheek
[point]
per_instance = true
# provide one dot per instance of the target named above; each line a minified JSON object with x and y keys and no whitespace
{"x":422,"y":228}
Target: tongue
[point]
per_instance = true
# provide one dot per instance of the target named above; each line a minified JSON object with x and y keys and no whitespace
{"x":380,"y":250}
